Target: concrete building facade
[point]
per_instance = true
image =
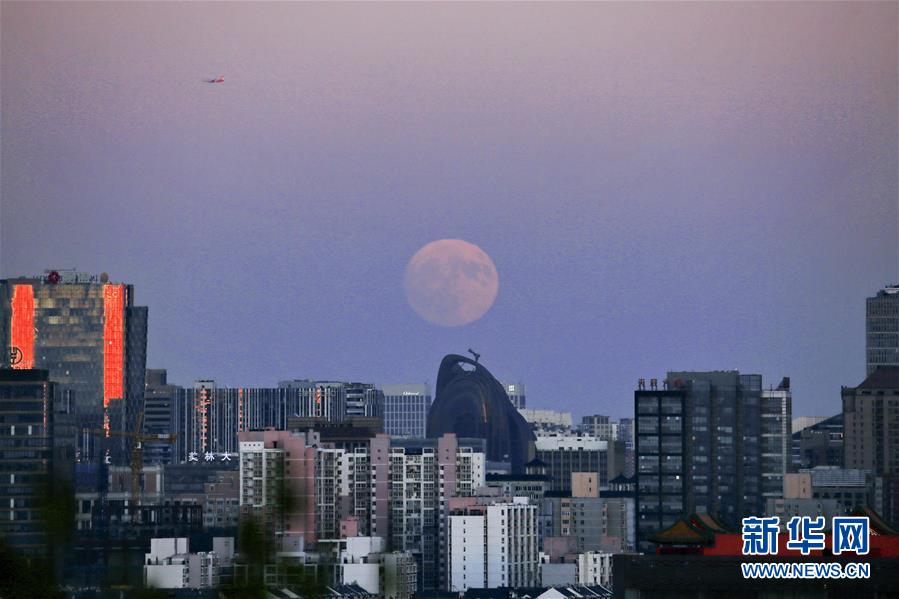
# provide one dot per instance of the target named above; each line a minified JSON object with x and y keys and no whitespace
{"x":277,"y":485}
{"x":493,"y":546}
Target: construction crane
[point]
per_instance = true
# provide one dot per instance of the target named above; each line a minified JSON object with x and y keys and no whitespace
{"x":137,"y":452}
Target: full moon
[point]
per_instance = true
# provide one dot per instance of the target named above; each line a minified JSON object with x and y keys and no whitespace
{"x":451,"y":282}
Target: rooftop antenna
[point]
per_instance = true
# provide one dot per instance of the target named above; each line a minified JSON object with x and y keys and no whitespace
{"x":476,"y":355}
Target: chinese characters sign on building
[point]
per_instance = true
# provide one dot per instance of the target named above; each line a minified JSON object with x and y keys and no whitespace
{"x":208,"y":456}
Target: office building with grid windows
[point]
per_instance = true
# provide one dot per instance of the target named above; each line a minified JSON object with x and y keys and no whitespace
{"x":882,"y":329}
{"x":406,"y":410}
{"x":705,"y":442}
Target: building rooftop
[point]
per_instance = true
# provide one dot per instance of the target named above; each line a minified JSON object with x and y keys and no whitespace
{"x":696,"y":529}
{"x":879,"y":526}
{"x":885,"y":377}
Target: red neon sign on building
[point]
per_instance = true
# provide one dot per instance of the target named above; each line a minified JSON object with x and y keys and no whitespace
{"x":113,"y":343}
{"x":22,"y":327}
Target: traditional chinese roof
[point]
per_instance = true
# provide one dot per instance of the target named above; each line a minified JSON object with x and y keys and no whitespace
{"x":878,"y":524}
{"x":711,"y":523}
{"x":695,"y":529}
{"x":684,"y":532}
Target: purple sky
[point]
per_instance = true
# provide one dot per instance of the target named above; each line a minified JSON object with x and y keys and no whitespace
{"x":661,"y":186}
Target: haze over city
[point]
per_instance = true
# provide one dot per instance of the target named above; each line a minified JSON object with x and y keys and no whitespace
{"x":660,"y":186}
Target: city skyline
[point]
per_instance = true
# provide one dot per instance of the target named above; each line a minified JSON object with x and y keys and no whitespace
{"x":702,"y":188}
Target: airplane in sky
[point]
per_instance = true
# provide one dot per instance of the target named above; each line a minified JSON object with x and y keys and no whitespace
{"x":219,"y":79}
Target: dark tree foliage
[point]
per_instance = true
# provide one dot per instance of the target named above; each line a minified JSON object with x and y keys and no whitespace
{"x":36,"y":576}
{"x":25,"y":577}
{"x":257,"y":554}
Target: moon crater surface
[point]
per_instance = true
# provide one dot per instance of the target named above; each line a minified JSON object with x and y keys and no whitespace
{"x":451,"y":282}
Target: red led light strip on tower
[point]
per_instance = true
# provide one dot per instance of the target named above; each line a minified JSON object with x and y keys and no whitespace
{"x":22,"y":326}
{"x":113,"y":343}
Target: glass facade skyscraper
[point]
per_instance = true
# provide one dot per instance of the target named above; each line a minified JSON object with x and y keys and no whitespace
{"x":882,"y":329}
{"x":776,"y":441}
{"x":406,"y":410}
{"x":92,"y":339}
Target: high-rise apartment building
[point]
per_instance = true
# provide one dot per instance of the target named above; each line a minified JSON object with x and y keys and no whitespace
{"x":406,"y":410}
{"x":882,"y":329}
{"x":700,"y":447}
{"x":493,"y":545}
{"x":277,"y":476}
{"x":776,"y":413}
{"x":661,"y":459}
{"x":871,"y":431}
{"x":92,"y":339}
{"x":396,"y":489}
{"x":424,"y":474}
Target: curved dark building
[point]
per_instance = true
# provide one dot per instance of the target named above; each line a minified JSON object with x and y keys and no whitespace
{"x":471,"y":403}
